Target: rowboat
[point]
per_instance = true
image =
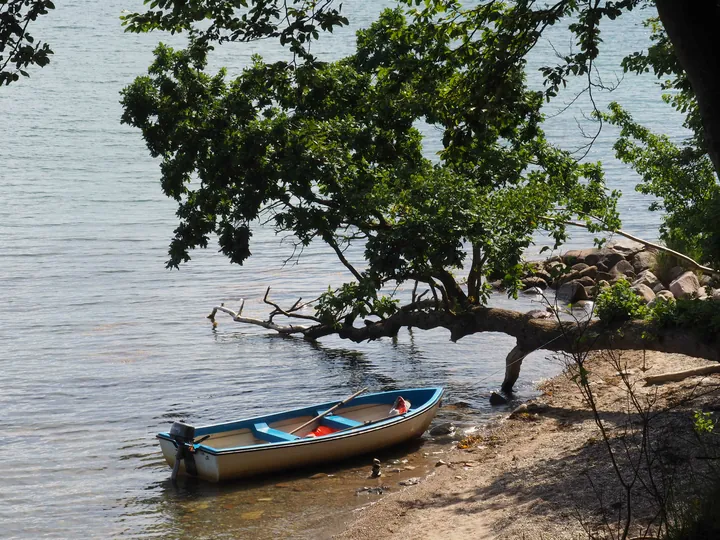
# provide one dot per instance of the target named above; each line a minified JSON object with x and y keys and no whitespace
{"x":300,"y":437}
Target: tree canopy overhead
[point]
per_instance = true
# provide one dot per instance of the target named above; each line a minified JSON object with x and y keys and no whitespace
{"x":331,"y":151}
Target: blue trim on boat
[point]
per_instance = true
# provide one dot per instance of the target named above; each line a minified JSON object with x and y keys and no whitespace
{"x":422,"y":399}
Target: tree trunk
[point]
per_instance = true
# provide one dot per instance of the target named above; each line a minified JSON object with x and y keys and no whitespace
{"x":693,"y":26}
{"x":531,"y":333}
{"x":475,"y":275}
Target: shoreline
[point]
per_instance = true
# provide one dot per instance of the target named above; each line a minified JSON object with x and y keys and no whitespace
{"x":536,"y":475}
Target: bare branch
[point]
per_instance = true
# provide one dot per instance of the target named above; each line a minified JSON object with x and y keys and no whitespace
{"x":290,"y":313}
{"x":691,"y":262}
{"x":282,"y":329}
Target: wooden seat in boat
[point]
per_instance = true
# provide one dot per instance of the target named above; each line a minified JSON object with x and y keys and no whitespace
{"x":266,"y":433}
{"x":340,"y":422}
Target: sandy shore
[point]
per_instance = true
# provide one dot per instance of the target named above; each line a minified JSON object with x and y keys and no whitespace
{"x":544,"y":475}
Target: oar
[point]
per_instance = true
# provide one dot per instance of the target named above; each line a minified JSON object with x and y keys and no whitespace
{"x":331,"y":409}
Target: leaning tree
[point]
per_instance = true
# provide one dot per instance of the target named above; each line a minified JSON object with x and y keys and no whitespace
{"x":331,"y":152}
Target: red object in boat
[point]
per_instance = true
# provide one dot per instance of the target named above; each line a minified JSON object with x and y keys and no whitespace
{"x":320,"y":431}
{"x":401,"y":406}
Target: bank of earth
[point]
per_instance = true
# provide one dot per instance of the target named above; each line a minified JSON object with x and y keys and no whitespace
{"x":543,"y":473}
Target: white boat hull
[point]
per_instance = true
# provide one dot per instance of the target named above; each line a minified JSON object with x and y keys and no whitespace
{"x":218,"y":464}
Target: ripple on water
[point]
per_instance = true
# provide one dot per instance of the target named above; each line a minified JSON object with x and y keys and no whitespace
{"x":103,"y":347}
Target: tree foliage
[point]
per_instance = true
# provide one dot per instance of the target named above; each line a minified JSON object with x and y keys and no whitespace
{"x":681,"y":176}
{"x":331,"y":151}
{"x":18,"y":48}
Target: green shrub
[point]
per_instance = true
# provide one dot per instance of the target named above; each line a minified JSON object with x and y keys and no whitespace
{"x":700,"y":519}
{"x":700,"y":315}
{"x":619,"y":303}
{"x":663,"y":313}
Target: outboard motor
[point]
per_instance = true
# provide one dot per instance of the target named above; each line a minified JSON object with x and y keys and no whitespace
{"x":183,"y":434}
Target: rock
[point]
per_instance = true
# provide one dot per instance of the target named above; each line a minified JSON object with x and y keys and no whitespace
{"x":675,"y":272}
{"x":446,"y":428}
{"x":584,"y":305}
{"x":520,"y":409}
{"x":537,"y":407}
{"x":716,"y":295}
{"x":572,"y":291}
{"x":623,"y":268}
{"x":643,"y":260}
{"x":575,"y":256}
{"x":497,"y":399}
{"x":529,"y":408}
{"x":379,"y":490}
{"x":565,"y":277}
{"x":590,"y":271}
{"x":532,"y":291}
{"x":685,"y":285}
{"x":603,"y":283}
{"x":530,"y":282}
{"x":556,"y":270}
{"x":667,"y":295}
{"x":586,"y":281}
{"x":376,"y":468}
{"x":539,"y":314}
{"x":410,"y":482}
{"x":606,"y":256}
{"x":497,"y":284}
{"x":659,"y":287}
{"x":705,"y":281}
{"x":604,"y":276}
{"x":579,"y":267}
{"x":440,"y":463}
{"x":542,"y":274}
{"x":702,"y":293}
{"x":644,"y":292}
{"x":602,"y":267}
{"x":593,"y":257}
{"x":647,"y":278}
{"x":625,"y":245}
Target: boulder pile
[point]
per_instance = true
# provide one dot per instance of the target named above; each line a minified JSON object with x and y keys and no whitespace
{"x":578,"y":275}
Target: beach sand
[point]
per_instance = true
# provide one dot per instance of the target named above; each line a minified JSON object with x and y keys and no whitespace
{"x":545,"y":475}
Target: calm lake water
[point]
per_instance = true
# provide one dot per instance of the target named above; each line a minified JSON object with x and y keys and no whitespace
{"x":102,"y":347}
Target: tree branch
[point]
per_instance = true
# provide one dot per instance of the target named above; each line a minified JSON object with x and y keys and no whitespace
{"x":691,"y":262}
{"x":531,"y":333}
{"x":290,"y":313}
{"x":333,"y":244}
{"x":282,"y":329}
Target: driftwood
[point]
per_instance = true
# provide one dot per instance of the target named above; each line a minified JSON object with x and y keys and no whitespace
{"x":680,"y":375}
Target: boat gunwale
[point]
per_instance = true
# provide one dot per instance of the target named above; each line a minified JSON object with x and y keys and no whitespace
{"x":434,"y":399}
